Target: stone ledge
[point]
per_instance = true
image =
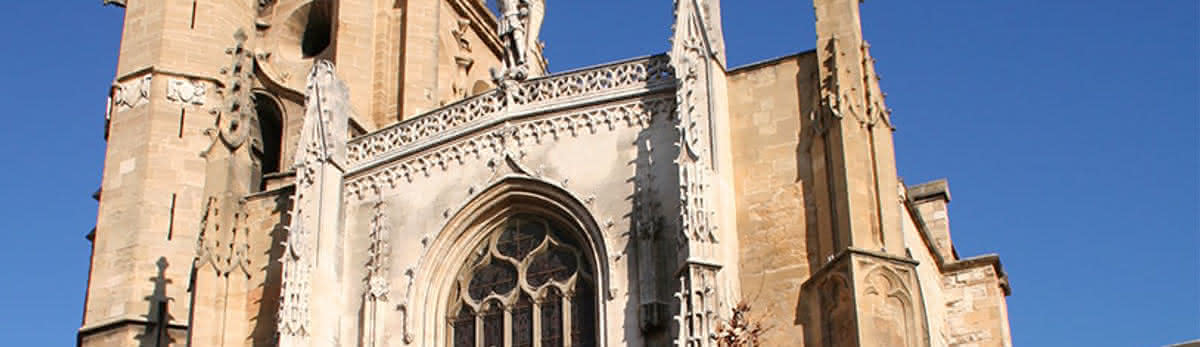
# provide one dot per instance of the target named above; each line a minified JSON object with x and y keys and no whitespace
{"x":930,"y":190}
{"x":992,"y":260}
{"x":769,"y":61}
{"x":846,"y":253}
{"x":119,"y":322}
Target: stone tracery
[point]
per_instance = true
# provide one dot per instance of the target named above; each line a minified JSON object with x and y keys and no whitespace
{"x":528,"y":267}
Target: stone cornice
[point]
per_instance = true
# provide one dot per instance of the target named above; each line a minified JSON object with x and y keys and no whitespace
{"x":580,"y":88}
{"x":494,"y":138}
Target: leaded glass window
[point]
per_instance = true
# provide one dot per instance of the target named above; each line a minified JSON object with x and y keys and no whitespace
{"x":528,"y":285}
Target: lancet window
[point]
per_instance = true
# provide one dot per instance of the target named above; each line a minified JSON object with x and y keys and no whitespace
{"x":528,"y":285}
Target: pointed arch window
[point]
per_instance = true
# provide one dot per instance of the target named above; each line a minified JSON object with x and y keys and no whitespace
{"x":529,"y":284}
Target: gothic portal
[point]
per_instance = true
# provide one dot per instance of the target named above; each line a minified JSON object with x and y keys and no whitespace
{"x":408,"y":173}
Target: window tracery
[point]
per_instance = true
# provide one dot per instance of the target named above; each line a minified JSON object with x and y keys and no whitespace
{"x":529,"y":284}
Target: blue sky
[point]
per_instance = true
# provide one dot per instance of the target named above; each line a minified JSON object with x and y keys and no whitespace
{"x":1068,"y":130}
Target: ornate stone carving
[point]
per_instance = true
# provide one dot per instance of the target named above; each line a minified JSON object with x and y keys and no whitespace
{"x":235,"y":117}
{"x":876,"y":110}
{"x":692,"y":111}
{"x":888,"y":301}
{"x":411,"y":275}
{"x":377,"y":255}
{"x":839,"y":98}
{"x":692,"y":57}
{"x":490,"y":143}
{"x":324,"y":128}
{"x":225,"y":247}
{"x":518,"y":27}
{"x":376,"y":280}
{"x":642,"y":73}
{"x":132,"y":94}
{"x":699,"y":306}
{"x":461,"y":28}
{"x":186,"y":91}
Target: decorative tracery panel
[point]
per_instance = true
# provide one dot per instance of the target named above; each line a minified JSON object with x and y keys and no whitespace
{"x":529,"y":284}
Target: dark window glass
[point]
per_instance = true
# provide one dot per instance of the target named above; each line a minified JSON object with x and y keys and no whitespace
{"x":520,"y":237}
{"x":583,"y":316}
{"x":522,"y":321}
{"x":464,"y":328}
{"x":557,"y":264}
{"x":552,"y":317}
{"x":493,"y":326}
{"x":498,"y":277}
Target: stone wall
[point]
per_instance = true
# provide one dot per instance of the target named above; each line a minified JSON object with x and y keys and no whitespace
{"x":976,"y":312}
{"x":773,"y":175}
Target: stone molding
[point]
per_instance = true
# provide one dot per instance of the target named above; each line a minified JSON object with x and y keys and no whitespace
{"x":485,"y":144}
{"x":930,"y":190}
{"x":542,"y":95}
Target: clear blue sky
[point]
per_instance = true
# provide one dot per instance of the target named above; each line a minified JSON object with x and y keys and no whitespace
{"x":1068,"y":130}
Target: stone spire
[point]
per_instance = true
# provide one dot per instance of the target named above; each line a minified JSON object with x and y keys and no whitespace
{"x":316,"y":211}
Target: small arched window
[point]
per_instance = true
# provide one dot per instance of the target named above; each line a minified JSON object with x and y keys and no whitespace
{"x":267,"y":147}
{"x":529,"y":280}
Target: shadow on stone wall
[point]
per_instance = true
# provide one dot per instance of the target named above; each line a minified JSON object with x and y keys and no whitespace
{"x":158,"y":316}
{"x":265,"y":320}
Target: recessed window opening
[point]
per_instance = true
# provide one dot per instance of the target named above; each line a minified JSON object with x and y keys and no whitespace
{"x":270,"y":126}
{"x":318,"y":32}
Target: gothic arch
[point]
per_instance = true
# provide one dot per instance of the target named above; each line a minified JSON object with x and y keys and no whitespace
{"x":435,"y":276}
{"x":890,"y":305}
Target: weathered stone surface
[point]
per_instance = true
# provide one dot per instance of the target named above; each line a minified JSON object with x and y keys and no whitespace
{"x":251,"y":202}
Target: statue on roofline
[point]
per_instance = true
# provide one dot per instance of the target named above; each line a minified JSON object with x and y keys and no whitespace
{"x":518,"y":27}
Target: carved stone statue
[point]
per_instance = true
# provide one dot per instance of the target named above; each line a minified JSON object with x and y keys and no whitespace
{"x":518,"y":26}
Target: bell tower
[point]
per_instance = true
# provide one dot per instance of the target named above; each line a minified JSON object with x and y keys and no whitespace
{"x":150,"y":206}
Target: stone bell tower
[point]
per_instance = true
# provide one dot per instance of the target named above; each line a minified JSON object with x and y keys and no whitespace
{"x":203,"y":120}
{"x":151,"y":197}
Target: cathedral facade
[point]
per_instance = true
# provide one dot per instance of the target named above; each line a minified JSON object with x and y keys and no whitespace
{"x":408,"y":173}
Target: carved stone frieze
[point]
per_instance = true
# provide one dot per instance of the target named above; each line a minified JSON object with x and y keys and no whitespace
{"x":186,"y":91}
{"x":489,"y":143}
{"x":533,"y":94}
{"x":131,"y":94}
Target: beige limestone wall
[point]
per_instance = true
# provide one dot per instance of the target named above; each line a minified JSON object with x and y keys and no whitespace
{"x":930,"y":277}
{"x":440,"y":37}
{"x":976,"y":311}
{"x":151,"y":201}
{"x":773,"y":175}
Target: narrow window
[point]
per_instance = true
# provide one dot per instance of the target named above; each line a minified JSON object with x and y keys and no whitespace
{"x":182,"y":117}
{"x":267,"y":145}
{"x":171,"y":219}
{"x":193,"y":25}
{"x":318,"y":32}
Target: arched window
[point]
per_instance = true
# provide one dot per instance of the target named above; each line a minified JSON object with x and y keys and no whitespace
{"x":267,"y":140}
{"x":529,"y":280}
